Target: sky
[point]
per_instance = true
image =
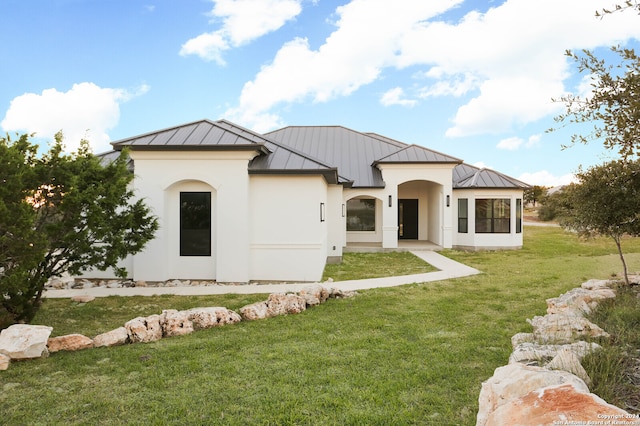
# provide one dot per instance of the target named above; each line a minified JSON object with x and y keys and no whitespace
{"x":472,"y":79}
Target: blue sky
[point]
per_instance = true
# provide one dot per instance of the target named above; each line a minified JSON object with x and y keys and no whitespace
{"x":472,"y":79}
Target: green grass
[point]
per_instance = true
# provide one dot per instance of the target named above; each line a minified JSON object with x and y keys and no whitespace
{"x":358,"y":266}
{"x":415,"y":354}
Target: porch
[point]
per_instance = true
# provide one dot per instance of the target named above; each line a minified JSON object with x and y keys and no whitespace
{"x":403,"y":245}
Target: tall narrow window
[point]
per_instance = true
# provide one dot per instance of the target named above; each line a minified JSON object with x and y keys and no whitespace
{"x":361,"y":214}
{"x":518,"y":215}
{"x":463,"y":215}
{"x":195,"y":224}
{"x":493,"y":215}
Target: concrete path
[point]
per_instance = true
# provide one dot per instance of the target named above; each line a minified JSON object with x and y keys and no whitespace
{"x":447,"y":269}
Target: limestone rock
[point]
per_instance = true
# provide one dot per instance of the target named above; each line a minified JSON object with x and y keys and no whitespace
{"x":559,"y":328}
{"x":514,"y":381}
{"x":314,"y":294}
{"x":579,"y":301}
{"x":203,"y":318}
{"x":5,"y":360}
{"x":563,"y":404}
{"x":597,"y":284}
{"x":277,"y":304}
{"x":116,"y":337}
{"x":83,"y":299}
{"x":24,"y":341}
{"x":144,"y":329}
{"x":519,"y":338}
{"x":567,"y":360}
{"x":70,"y":342}
{"x":175,"y":323}
{"x":528,"y":352}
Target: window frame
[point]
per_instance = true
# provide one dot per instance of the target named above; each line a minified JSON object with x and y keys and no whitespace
{"x":493,"y":216}
{"x":463,"y":220}
{"x":369,"y":222}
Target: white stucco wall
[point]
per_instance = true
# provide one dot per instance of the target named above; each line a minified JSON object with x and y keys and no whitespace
{"x":381,"y":210}
{"x":160,"y":176}
{"x":473,"y":241}
{"x":288,"y":238}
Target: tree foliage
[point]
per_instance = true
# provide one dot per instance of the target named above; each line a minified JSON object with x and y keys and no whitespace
{"x":534,"y":194}
{"x":62,"y":213}
{"x":605,"y":201}
{"x":613,"y":105}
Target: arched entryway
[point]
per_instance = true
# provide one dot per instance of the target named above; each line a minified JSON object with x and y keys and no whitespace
{"x":420,"y":211}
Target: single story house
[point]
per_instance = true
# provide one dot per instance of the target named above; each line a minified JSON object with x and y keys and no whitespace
{"x":238,"y":206}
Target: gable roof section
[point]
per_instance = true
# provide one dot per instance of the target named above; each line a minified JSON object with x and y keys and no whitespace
{"x":203,"y":135}
{"x":417,"y":154}
{"x":466,"y":176}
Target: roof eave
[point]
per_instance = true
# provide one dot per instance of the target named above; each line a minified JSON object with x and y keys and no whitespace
{"x":261,"y":148}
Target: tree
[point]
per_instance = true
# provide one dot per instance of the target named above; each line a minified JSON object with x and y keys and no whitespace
{"x":612,"y":107}
{"x":534,"y":194}
{"x":62,"y":213}
{"x":605,"y":201}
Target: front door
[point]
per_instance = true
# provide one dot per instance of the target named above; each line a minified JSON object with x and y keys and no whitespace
{"x":407,"y":219}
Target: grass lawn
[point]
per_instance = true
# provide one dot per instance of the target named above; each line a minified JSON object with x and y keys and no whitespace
{"x":415,"y":354}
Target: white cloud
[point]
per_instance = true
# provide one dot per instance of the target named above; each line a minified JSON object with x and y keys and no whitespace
{"x":352,"y":56}
{"x":545,"y":178}
{"x":510,"y":59}
{"x":514,"y":143}
{"x":395,"y":97}
{"x":85,"y":111}
{"x":242,"y":22}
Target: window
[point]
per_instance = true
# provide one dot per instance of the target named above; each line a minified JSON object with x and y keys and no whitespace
{"x":361,"y":214}
{"x":195,"y":224}
{"x":493,"y":215}
{"x":463,"y":215}
{"x":518,"y":216}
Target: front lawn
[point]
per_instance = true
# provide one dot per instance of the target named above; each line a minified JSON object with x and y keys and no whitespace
{"x":415,"y":354}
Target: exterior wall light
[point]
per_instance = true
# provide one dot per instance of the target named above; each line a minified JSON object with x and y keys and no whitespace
{"x":448,"y":200}
{"x":322,"y":212}
{"x":390,"y":201}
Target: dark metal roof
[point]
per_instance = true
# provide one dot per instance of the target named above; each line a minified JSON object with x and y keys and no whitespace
{"x":417,"y":154}
{"x":199,"y":135}
{"x":466,"y":176}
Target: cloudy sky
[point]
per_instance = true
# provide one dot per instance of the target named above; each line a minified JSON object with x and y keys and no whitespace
{"x":473,"y":79}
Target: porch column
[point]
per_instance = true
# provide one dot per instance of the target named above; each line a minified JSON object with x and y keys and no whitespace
{"x":390,"y":218}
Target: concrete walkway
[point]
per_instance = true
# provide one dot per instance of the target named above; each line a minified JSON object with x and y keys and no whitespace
{"x":447,"y":269}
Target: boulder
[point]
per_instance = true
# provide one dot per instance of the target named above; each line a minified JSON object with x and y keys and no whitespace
{"x":5,"y":360}
{"x":519,"y":338}
{"x":83,"y":299}
{"x":559,"y":328}
{"x":579,"y":301}
{"x":116,"y":337}
{"x":567,"y":360}
{"x":203,"y":318}
{"x":24,"y":341}
{"x":597,"y":284}
{"x":541,"y":354}
{"x":514,"y":381}
{"x":314,"y":294}
{"x":144,"y":329}
{"x":175,"y":323}
{"x":277,"y":304}
{"x":70,"y":342}
{"x":556,"y":405}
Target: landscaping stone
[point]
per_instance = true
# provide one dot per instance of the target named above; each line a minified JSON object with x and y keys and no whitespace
{"x":560,"y":329}
{"x":567,"y":360}
{"x":175,"y":323}
{"x":203,"y":318}
{"x":116,"y":337}
{"x":579,"y":301}
{"x":83,"y":299}
{"x":528,"y":352}
{"x":24,"y":341}
{"x":315,"y":294}
{"x":70,"y":342}
{"x":277,"y":304}
{"x":5,"y":361}
{"x":144,"y":329}
{"x":556,"y":405}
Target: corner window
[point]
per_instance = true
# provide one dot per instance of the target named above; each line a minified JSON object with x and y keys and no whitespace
{"x":361,"y":214}
{"x":195,"y":224}
{"x":493,"y":216}
{"x":518,"y":216}
{"x":463,"y":215}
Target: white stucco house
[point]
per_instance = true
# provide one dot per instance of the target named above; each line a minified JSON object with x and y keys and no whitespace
{"x":238,"y":206}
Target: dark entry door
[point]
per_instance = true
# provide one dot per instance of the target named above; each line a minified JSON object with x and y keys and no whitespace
{"x":408,"y":219}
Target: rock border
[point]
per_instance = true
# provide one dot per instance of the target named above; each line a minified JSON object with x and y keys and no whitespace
{"x":23,"y":341}
{"x":544,"y":381}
